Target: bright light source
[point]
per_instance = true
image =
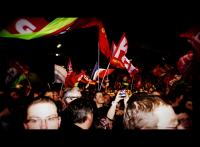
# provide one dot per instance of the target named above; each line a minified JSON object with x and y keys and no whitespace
{"x":57,"y":54}
{"x":59,"y":45}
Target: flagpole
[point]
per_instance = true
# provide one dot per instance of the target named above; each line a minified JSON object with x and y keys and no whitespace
{"x":104,"y":74}
{"x":132,"y":84}
{"x":49,"y":86}
{"x":61,"y":89}
{"x":98,"y":64}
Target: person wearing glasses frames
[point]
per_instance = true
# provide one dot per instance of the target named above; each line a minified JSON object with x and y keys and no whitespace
{"x":42,"y":113}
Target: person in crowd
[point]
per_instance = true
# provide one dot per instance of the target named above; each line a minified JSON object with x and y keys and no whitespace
{"x":42,"y":113}
{"x":146,"y":111}
{"x":72,"y":94}
{"x":116,"y":110}
{"x":69,"y":96}
{"x":100,"y":112}
{"x":81,"y":114}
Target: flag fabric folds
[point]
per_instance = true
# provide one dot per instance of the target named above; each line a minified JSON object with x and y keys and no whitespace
{"x":119,"y":59}
{"x":193,"y":37}
{"x":73,"y":79}
{"x":101,"y":72}
{"x":184,"y":62}
{"x":28,"y":29}
{"x":60,"y":74}
{"x":31,"y":28}
{"x":69,"y":67}
{"x":94,"y":69}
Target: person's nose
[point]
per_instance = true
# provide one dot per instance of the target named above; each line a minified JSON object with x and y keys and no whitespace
{"x":43,"y":124}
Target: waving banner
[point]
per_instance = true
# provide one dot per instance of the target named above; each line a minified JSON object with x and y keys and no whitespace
{"x":119,"y":59}
{"x":31,"y":28}
{"x":60,"y":74}
{"x":101,"y":72}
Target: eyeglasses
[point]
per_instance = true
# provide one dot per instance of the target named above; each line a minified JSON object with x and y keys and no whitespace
{"x":38,"y":121}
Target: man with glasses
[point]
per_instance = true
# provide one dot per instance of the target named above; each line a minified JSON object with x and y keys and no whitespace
{"x":42,"y":114}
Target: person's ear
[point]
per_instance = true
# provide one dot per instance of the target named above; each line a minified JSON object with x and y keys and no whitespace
{"x":90,"y":117}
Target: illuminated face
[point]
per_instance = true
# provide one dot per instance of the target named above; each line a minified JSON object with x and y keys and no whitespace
{"x":167,"y":118}
{"x":99,"y":98}
{"x":42,"y":116}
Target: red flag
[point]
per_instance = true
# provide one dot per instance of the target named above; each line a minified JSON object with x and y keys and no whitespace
{"x":101,"y":72}
{"x":119,"y":52}
{"x":73,"y":78}
{"x":69,"y":67}
{"x":114,"y":61}
{"x":119,"y":59}
{"x":193,"y":36}
{"x":70,"y":80}
{"x":117,"y":63}
{"x":184,"y":62}
{"x":121,"y":48}
{"x":27,"y":25}
{"x":159,"y":71}
{"x":103,"y":42}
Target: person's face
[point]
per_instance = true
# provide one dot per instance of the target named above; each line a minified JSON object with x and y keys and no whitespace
{"x":42,"y":116}
{"x":167,"y":119}
{"x":99,"y":98}
{"x":14,"y":95}
{"x":107,"y":98}
{"x":55,"y":95}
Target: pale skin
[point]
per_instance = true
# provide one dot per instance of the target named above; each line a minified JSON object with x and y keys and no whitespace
{"x":47,"y":115}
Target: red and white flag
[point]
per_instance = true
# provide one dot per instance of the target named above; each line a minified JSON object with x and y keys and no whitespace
{"x":101,"y":72}
{"x":119,"y":59}
{"x":69,"y":67}
{"x":184,"y":62}
{"x":193,"y":36}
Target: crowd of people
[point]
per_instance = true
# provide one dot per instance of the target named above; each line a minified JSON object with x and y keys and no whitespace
{"x":156,"y":101}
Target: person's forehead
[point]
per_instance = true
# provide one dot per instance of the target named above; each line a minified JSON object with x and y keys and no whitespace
{"x":42,"y":109}
{"x":99,"y":93}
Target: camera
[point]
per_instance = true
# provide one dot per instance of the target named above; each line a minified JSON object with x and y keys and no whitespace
{"x":122,"y":93}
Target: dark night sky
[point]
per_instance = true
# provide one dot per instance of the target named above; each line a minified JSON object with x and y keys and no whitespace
{"x":149,"y":39}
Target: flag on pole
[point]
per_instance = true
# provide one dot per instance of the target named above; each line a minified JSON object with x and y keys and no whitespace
{"x":94,"y":69}
{"x":59,"y":74}
{"x":119,"y":52}
{"x":101,"y":72}
{"x":119,"y":59}
{"x":69,"y":67}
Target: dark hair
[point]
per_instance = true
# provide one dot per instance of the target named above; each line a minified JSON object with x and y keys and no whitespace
{"x":79,"y":108}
